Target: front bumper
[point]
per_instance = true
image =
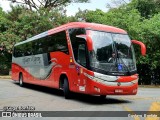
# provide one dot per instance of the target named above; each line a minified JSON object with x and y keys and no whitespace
{"x":112,"y":88}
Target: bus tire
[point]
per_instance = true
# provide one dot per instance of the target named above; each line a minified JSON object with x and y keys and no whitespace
{"x":67,"y":93}
{"x":21,"y":83}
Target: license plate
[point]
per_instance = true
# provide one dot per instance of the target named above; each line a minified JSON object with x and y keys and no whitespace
{"x":118,"y":90}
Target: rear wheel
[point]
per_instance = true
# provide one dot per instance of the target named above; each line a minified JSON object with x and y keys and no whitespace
{"x":21,"y":80}
{"x":67,"y":93}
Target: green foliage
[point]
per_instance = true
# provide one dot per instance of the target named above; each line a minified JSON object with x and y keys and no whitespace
{"x":5,"y":58}
{"x":150,"y":35}
{"x":147,"y":8}
{"x":3,"y":21}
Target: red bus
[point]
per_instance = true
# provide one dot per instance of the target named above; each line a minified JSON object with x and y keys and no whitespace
{"x":79,"y":57}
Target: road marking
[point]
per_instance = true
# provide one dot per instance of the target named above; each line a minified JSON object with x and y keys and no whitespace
{"x":155,"y":106}
{"x":131,"y":112}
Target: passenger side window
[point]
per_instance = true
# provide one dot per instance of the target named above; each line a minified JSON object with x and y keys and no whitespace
{"x":52,"y":43}
{"x":58,"y":42}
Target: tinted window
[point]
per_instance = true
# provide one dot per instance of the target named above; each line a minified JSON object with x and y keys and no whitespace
{"x":57,"y":42}
{"x":27,"y":49}
{"x":52,"y":43}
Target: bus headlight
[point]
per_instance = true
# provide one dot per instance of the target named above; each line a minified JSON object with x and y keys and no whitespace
{"x":101,"y":78}
{"x":93,"y":78}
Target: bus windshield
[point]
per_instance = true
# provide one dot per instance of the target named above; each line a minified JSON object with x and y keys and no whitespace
{"x":112,"y":53}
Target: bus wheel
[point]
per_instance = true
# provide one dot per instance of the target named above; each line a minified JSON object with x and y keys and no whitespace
{"x":21,"y":80}
{"x":67,"y":93}
{"x":103,"y":96}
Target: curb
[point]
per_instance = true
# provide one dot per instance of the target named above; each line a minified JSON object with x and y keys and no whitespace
{"x":5,"y":77}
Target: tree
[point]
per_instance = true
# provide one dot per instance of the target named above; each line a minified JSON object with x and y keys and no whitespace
{"x":26,"y":23}
{"x":150,"y":35}
{"x":3,"y":21}
{"x":49,"y":4}
{"x":4,"y":26}
{"x":147,"y":8}
{"x":5,"y":53}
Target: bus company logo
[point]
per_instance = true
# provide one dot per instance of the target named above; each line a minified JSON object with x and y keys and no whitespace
{"x":33,"y":59}
{"x":6,"y":114}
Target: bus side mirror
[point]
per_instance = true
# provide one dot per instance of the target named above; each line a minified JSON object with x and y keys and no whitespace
{"x":88,"y":40}
{"x":143,"y":47}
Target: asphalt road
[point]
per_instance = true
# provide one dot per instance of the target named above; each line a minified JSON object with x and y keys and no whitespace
{"x":47,"y":99}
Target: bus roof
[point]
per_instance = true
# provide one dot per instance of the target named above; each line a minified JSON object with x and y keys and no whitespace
{"x":93,"y":26}
{"x":86,"y":25}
